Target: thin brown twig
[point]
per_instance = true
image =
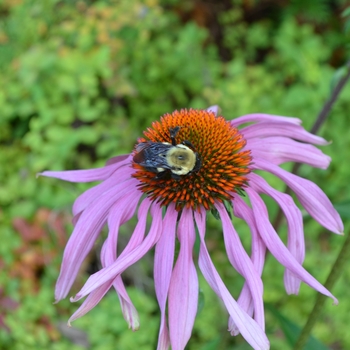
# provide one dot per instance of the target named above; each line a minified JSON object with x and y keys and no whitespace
{"x":321,"y":118}
{"x":345,"y":251}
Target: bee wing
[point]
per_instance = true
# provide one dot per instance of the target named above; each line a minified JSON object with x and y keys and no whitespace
{"x":152,"y":154}
{"x":140,"y":152}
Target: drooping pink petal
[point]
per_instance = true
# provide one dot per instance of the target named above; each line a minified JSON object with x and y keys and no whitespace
{"x":163,"y":265}
{"x":129,"y":311}
{"x":118,"y":215}
{"x":183,"y":291}
{"x":249,"y":329}
{"x":76,"y":218}
{"x":244,"y":212}
{"x":117,"y":218}
{"x":115,"y":179}
{"x":276,"y":246}
{"x":296,"y":241}
{"x":91,"y":301}
{"x":278,"y":150}
{"x":90,"y":175}
{"x":242,"y":263}
{"x":311,"y":197}
{"x":260,"y":117}
{"x":293,"y":131}
{"x":108,"y":254}
{"x":123,"y":262}
{"x":84,"y":236}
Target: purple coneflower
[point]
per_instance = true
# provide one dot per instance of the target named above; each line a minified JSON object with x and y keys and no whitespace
{"x":178,"y":198}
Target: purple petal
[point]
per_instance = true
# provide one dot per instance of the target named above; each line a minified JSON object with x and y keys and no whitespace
{"x":183,"y":291}
{"x":116,"y":218}
{"x":163,"y":265}
{"x":245,"y":302}
{"x":309,"y":194}
{"x":89,"y":175}
{"x":249,"y":329}
{"x":214,"y":109}
{"x":278,"y":150}
{"x":267,"y":129}
{"x":242,"y":263}
{"x":276,"y":246}
{"x":128,"y":309}
{"x":259,"y":117}
{"x":90,"y":302}
{"x":296,"y":242}
{"x":123,"y":262}
{"x":84,"y":236}
{"x":92,"y":194}
{"x":108,"y":254}
{"x":244,"y":212}
{"x":163,"y":338}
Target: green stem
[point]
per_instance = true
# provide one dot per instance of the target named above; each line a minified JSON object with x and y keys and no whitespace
{"x":338,"y":267}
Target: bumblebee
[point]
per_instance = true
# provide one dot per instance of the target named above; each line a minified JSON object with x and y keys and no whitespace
{"x":164,"y":158}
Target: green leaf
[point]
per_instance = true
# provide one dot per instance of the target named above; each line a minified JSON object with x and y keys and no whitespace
{"x":215,"y":213}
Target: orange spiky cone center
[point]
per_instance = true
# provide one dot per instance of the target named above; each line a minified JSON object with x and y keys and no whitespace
{"x":224,"y":166}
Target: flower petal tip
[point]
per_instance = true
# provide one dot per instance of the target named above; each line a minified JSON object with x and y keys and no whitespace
{"x":43,"y":173}
{"x":74,"y":299}
{"x":324,"y":142}
{"x":134,"y":325}
{"x":215,"y":109}
{"x":292,"y":292}
{"x":339,"y":230}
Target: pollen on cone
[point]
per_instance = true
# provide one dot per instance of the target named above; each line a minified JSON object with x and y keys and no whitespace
{"x":224,"y":166}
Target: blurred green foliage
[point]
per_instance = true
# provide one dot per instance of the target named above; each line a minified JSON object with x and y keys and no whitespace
{"x":80,"y":80}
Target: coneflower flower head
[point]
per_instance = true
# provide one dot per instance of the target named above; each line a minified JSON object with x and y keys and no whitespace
{"x":227,"y":154}
{"x":224,"y":165}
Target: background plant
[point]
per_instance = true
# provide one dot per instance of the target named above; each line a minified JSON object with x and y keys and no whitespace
{"x":80,"y":80}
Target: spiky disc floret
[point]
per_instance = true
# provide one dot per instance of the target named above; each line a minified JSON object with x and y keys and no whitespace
{"x":224,"y":166}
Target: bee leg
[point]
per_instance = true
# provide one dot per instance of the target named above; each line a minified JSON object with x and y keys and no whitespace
{"x":188,"y":144}
{"x":153,"y":170}
{"x":173,"y":132}
{"x":198,"y":164}
{"x":176,"y":177}
{"x":161,"y":175}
